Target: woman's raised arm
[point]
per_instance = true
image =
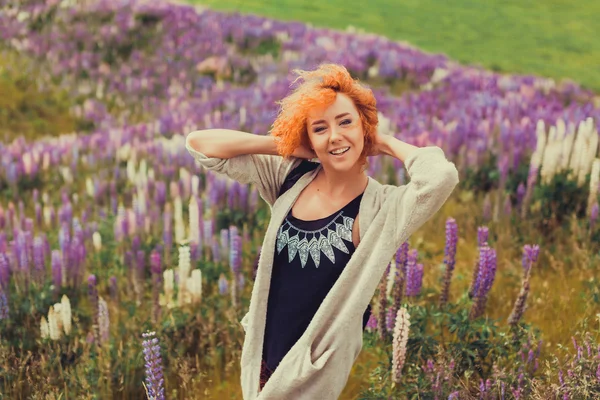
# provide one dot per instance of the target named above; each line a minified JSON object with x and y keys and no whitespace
{"x":244,"y":157}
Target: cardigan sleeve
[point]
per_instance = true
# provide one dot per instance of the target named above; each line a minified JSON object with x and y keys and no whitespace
{"x":265,"y":171}
{"x":432,"y":180}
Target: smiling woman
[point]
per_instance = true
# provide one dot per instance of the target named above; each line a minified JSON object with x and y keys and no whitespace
{"x":332,"y":232}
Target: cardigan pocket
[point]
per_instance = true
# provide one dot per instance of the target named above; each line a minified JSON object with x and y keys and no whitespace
{"x":320,"y":361}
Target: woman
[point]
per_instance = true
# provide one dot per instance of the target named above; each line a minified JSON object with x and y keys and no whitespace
{"x":332,"y":233}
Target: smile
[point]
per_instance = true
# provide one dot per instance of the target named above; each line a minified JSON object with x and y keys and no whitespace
{"x":339,"y":151}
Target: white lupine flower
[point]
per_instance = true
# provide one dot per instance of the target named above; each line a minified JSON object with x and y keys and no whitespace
{"x":195,"y":184}
{"x":65,"y":172}
{"x":131,"y":170}
{"x":89,"y":186}
{"x":183,"y":273}
{"x":536,"y":157}
{"x":58,"y":315}
{"x":179,"y":227}
{"x":594,"y":180}
{"x":97,"y":241}
{"x":66,"y":314}
{"x":194,"y":285}
{"x":569,"y":139}
{"x":53,"y":329}
{"x":44,"y":328}
{"x":401,"y":330}
{"x":168,"y":287}
{"x":103,"y":320}
{"x":47,"y":211}
{"x":194,"y":221}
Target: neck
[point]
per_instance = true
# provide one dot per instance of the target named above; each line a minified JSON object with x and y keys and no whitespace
{"x":337,"y":183}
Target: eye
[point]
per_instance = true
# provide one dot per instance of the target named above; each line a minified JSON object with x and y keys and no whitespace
{"x":347,"y":120}
{"x":317,"y":130}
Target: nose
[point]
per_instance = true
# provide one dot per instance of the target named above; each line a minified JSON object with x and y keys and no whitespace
{"x":335,"y":134}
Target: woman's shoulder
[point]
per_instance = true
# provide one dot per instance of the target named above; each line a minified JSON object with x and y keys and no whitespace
{"x":296,"y":173}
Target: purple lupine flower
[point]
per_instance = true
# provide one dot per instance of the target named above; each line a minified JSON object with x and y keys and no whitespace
{"x":371,"y":323}
{"x":235,"y":254}
{"x":38,"y":259}
{"x":223,"y":284}
{"x":390,"y":319}
{"x":154,"y":368}
{"x":482,"y":235}
{"x":449,"y":258}
{"x":4,"y":310}
{"x":414,"y":274}
{"x":4,"y":270}
{"x":402,"y":257}
{"x":93,"y":295}
{"x":485,"y":279}
{"x":593,"y":215}
{"x":453,"y":396}
{"x":216,"y":254}
{"x":224,"y":241}
{"x":530,"y":255}
{"x":56,"y":264}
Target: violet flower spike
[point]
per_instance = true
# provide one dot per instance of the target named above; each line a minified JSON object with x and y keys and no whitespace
{"x":154,"y":368}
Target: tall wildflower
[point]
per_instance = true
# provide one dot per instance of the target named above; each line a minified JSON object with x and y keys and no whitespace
{"x":414,"y":274}
{"x":401,"y":331}
{"x":482,"y":239}
{"x":194,"y":216}
{"x":154,"y":369}
{"x":4,"y":310}
{"x":93,"y":296}
{"x":449,"y":258}
{"x":183,"y":274}
{"x":194,"y":286}
{"x":383,"y":304}
{"x":485,"y":279}
{"x":5,"y":269}
{"x":169,"y":288}
{"x":223,"y":284}
{"x":530,"y":255}
{"x":400,"y":276}
{"x":65,"y":311}
{"x":103,"y":320}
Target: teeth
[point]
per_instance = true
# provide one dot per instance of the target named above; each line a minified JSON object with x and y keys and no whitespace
{"x":340,"y":151}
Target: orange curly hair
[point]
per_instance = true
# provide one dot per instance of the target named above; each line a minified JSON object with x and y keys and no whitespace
{"x":319,"y":89}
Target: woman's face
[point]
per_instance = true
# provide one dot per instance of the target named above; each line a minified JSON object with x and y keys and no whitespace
{"x":336,"y":128}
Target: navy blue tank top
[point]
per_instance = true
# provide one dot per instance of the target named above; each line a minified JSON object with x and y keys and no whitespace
{"x":309,"y":258}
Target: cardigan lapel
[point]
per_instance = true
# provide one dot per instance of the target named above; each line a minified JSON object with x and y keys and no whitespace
{"x":253,"y":343}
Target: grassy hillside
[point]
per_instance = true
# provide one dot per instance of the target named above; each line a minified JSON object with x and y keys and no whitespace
{"x":554,"y":38}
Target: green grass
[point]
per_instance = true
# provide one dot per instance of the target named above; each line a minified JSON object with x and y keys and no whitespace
{"x":553,"y":38}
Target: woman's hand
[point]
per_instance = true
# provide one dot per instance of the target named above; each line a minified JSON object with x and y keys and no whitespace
{"x":305,"y":152}
{"x":380,"y":144}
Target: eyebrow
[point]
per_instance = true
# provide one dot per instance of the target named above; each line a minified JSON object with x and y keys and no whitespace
{"x":322,"y":120}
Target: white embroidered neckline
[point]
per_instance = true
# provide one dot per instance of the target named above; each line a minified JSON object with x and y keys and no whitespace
{"x":322,"y":241}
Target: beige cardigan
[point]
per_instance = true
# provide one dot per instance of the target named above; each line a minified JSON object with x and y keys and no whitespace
{"x":319,"y":364}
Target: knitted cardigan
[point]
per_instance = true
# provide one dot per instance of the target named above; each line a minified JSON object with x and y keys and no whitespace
{"x":319,"y":363}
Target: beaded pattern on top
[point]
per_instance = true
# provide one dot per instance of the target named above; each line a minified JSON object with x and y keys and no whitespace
{"x":322,"y":241}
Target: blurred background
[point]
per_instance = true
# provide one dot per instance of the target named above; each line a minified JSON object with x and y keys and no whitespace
{"x":125,"y":267}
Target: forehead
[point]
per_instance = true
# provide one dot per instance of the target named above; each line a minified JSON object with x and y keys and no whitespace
{"x":341,"y":104}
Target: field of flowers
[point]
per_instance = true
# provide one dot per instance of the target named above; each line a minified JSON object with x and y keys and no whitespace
{"x":125,"y":268}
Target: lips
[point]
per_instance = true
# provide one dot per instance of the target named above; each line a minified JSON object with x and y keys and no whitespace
{"x":339,"y":154}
